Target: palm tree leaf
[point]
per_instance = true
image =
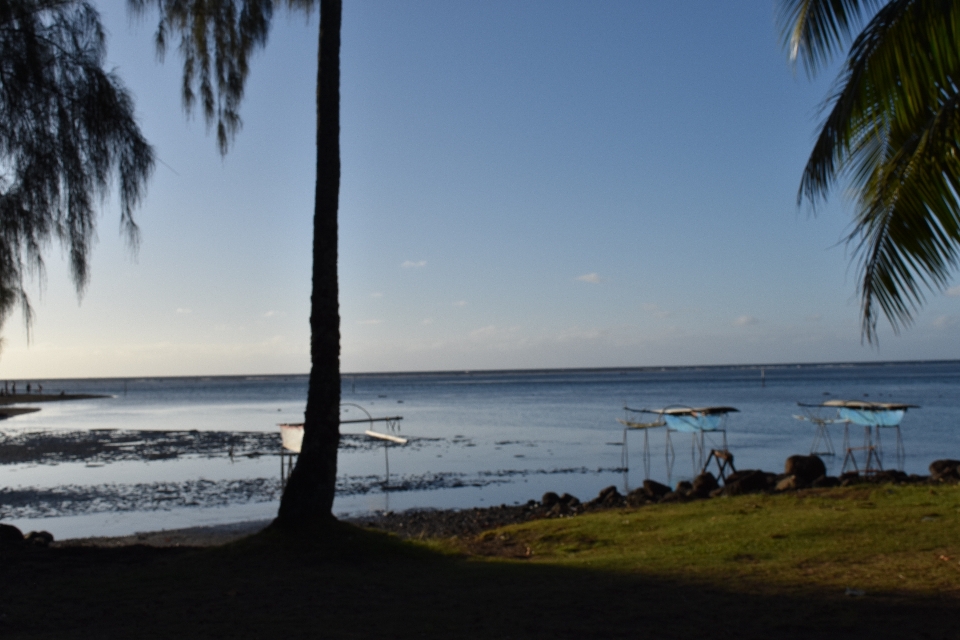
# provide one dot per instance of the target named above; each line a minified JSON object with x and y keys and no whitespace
{"x":897,"y":66}
{"x":907,"y":230}
{"x":813,"y":30}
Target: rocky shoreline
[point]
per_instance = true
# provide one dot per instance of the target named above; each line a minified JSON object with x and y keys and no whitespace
{"x":801,"y":473}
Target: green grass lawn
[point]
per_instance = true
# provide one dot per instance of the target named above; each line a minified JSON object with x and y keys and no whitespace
{"x":747,"y":567}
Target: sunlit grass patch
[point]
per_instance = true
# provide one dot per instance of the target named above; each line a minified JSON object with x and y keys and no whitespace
{"x":878,"y":539}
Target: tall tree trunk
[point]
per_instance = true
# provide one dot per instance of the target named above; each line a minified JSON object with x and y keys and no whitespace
{"x":310,"y":490}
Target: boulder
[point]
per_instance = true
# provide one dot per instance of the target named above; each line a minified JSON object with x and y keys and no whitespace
{"x":654,"y":489}
{"x":549,"y":499}
{"x":747,"y":481}
{"x":805,"y":468}
{"x":607,"y":491}
{"x":637,"y":497}
{"x":944,"y":470}
{"x":9,"y":533}
{"x":684,"y":487}
{"x":890,"y":475}
{"x":704,"y":483}
{"x":787,"y":484}
{"x":569,"y":500}
{"x":39,"y":538}
{"x":610,"y":497}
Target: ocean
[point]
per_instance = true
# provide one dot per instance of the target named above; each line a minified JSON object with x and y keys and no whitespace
{"x":164,"y":453}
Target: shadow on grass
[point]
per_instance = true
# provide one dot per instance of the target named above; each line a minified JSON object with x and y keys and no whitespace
{"x":345,"y":582}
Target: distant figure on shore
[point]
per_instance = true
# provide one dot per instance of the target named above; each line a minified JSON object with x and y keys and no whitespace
{"x":39,"y":388}
{"x":28,"y":387}
{"x":14,"y":388}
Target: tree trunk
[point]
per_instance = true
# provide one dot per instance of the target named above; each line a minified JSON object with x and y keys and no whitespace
{"x":309,"y":493}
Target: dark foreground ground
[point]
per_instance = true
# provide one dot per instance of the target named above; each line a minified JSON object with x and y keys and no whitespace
{"x":346,"y":582}
{"x":353,"y":581}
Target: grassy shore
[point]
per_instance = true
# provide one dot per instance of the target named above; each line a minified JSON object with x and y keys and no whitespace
{"x":880,"y":561}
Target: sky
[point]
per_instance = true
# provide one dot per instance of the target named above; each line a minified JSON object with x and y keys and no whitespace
{"x":529,"y":184}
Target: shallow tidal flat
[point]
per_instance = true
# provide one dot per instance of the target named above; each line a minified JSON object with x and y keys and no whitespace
{"x":102,"y":448}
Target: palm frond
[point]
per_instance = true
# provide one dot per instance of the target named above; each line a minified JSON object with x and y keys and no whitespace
{"x":907,"y":229}
{"x":813,"y":30}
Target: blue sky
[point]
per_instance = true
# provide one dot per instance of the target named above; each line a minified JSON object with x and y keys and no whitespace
{"x":525,"y":184}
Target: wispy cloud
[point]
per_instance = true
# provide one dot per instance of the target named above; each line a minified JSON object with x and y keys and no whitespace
{"x":271,"y":314}
{"x":184,"y":311}
{"x":944,"y":321}
{"x":427,"y":321}
{"x":484,"y":332}
{"x":376,"y":294}
{"x":592,"y":278}
{"x":656,"y":310}
{"x":460,"y":303}
{"x":954,"y":292}
{"x":411,"y":264}
{"x":743,"y":321}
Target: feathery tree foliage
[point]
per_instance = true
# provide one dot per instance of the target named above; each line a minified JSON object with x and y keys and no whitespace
{"x":891,"y":132}
{"x":216,"y":40}
{"x":67,"y":128}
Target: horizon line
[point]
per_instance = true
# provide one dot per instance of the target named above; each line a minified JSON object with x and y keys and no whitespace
{"x":772,"y":365}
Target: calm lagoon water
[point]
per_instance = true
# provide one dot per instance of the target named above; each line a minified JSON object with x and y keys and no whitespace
{"x":476,"y":438}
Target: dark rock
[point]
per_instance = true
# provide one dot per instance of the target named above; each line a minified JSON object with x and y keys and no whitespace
{"x":549,"y":499}
{"x":608,"y":491}
{"x":805,"y":468}
{"x":747,"y":481}
{"x":716,"y":493}
{"x":943,"y":470}
{"x":569,"y":500}
{"x":654,"y":489}
{"x":39,"y":538}
{"x":610,"y":497}
{"x":704,"y":483}
{"x":637,"y":497}
{"x":684,"y":487}
{"x":9,"y":533}
{"x":671,"y":496}
{"x":890,"y":475}
{"x":826,"y":482}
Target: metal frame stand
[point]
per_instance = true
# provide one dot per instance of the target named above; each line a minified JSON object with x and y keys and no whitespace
{"x":872,"y":450}
{"x":822,"y":437}
{"x":724,"y":459}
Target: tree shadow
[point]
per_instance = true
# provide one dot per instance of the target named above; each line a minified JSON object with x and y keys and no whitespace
{"x":343,"y":581}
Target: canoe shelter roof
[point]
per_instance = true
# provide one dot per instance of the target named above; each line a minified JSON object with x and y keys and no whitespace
{"x":692,"y":411}
{"x":862,"y":405}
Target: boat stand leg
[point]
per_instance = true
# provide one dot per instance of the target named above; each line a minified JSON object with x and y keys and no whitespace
{"x":879,"y":446}
{"x":901,"y":453}
{"x":646,"y":454}
{"x":625,"y":454}
{"x":386,"y":457}
{"x":670,"y":456}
